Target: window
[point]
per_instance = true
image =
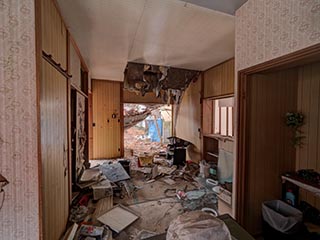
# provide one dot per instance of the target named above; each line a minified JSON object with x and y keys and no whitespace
{"x":223,"y":116}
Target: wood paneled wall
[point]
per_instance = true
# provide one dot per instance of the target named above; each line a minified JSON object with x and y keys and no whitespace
{"x":90,"y":119}
{"x":189,"y":119}
{"x":75,"y":66}
{"x":270,"y":152}
{"x":106,"y":101}
{"x":308,"y":156}
{"x":207,"y":116}
{"x":54,"y":33}
{"x":54,"y":151}
{"x":219,"y":80}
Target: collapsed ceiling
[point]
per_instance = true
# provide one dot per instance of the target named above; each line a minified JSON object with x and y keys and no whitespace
{"x":166,"y":82}
{"x":135,"y":113}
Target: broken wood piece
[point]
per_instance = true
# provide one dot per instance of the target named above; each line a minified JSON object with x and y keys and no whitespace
{"x":71,"y":232}
{"x":155,"y":171}
{"x":151,"y":181}
{"x":169,"y":181}
{"x":118,"y":218}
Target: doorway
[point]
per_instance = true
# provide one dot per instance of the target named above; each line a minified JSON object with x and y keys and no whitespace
{"x":267,"y":93}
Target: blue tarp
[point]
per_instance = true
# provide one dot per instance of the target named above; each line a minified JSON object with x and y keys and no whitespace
{"x":152,"y":130}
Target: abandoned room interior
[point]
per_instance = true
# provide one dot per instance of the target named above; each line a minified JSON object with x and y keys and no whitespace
{"x":159,"y":119}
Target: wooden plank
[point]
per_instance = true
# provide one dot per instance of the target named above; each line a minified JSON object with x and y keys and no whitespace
{"x":107,"y":130}
{"x":53,"y":107}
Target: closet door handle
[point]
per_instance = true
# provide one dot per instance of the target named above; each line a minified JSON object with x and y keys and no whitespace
{"x":65,"y":159}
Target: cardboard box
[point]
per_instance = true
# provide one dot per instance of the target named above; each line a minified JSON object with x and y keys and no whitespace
{"x":102,"y":189}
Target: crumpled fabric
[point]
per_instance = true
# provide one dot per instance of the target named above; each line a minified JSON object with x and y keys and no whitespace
{"x":197,"y":225}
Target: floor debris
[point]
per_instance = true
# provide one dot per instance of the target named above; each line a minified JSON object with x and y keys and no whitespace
{"x":114,"y":172}
{"x":118,"y":218}
{"x":89,"y":175}
{"x":169,"y":181}
{"x":124,"y":201}
{"x":91,"y":231}
{"x":102,"y":189}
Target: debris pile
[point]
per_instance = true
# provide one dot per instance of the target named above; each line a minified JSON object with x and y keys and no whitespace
{"x":103,"y":206}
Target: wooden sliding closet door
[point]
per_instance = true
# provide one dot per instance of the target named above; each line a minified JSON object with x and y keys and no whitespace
{"x":54,"y":151}
{"x":106,"y":119}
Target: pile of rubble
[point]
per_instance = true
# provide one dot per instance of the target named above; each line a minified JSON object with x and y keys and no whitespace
{"x":136,"y":144}
{"x":94,"y":215}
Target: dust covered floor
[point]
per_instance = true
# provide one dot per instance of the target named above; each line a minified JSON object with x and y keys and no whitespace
{"x":156,"y":200}
{"x":155,"y":209}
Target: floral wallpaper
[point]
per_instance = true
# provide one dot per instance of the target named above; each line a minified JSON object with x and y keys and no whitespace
{"x":267,"y":29}
{"x":19,"y":217}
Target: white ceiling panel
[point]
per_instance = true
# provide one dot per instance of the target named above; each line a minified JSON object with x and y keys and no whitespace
{"x":226,"y":6}
{"x":163,"y":32}
{"x":183,"y":35}
{"x":104,"y":31}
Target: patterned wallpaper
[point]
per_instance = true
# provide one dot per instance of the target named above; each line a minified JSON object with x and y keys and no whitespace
{"x":267,"y":29}
{"x":19,"y":217}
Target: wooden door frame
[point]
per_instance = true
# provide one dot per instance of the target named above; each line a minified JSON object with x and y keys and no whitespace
{"x":298,"y":58}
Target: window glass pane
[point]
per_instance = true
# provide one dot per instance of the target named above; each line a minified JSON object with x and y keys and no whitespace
{"x":226,"y":102}
{"x":216,"y":117}
{"x":224,"y":121}
{"x":230,"y":121}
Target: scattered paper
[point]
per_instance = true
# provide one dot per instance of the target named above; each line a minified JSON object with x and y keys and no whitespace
{"x":114,"y":172}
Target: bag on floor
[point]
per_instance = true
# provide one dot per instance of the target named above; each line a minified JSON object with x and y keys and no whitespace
{"x":197,"y":225}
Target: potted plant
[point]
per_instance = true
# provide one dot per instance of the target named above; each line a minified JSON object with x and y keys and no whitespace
{"x":295,"y":120}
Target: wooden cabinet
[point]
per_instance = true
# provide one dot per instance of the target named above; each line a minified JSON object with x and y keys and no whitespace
{"x":219,"y":80}
{"x":54,"y":151}
{"x":54,"y":123}
{"x":210,"y":149}
{"x":54,"y":33}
